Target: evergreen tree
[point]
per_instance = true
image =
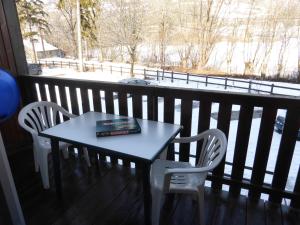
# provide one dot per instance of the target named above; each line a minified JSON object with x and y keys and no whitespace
{"x":33,"y":20}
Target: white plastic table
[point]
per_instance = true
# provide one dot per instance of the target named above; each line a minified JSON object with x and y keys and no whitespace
{"x":142,"y":148}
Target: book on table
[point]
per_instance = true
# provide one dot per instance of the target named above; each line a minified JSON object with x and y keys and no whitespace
{"x":114,"y":127}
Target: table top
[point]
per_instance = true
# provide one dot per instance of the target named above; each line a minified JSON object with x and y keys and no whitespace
{"x":146,"y":146}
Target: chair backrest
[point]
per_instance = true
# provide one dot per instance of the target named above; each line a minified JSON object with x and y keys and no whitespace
{"x":38,"y":116}
{"x":214,"y":145}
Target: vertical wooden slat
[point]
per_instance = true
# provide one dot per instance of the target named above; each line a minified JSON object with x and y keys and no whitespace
{"x":186,"y":120}
{"x":52,"y":93}
{"x":123,"y":110}
{"x":262,"y":151}
{"x":241,"y":146}
{"x":96,"y":100}
{"x":152,"y":106}
{"x":85,"y":100}
{"x":43,"y":94}
{"x":203,"y":123}
{"x":74,"y":100}
{"x":63,"y":96}
{"x":109,"y":102}
{"x":123,"y":106}
{"x":137,"y":105}
{"x":296,"y":200}
{"x":224,"y":117}
{"x":169,"y":105}
{"x":286,"y":151}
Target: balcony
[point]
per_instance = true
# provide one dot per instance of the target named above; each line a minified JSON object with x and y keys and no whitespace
{"x":242,"y":190}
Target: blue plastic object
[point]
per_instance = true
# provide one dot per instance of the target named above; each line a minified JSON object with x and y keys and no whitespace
{"x":9,"y":95}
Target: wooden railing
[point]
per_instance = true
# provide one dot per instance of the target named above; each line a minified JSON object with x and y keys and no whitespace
{"x":162,"y":103}
{"x":198,"y":80}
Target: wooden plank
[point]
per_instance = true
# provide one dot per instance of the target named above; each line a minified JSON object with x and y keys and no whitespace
{"x":169,"y":105}
{"x":123,"y":105}
{"x":290,"y":216}
{"x":109,"y":102}
{"x":6,"y":41}
{"x":230,"y":211}
{"x":285,"y":153}
{"x":224,"y":117}
{"x":52,"y":93}
{"x":263,"y":150}
{"x":85,"y":100}
{"x":3,"y":56}
{"x":186,"y":120}
{"x":43,"y":94}
{"x":137,"y":105}
{"x":255,"y":213}
{"x":295,"y":202}
{"x":123,"y":110}
{"x":241,"y":146}
{"x":16,"y":41}
{"x":63,"y":96}
{"x":273,"y":214}
{"x":152,"y":107}
{"x":96,"y":100}
{"x":74,"y":100}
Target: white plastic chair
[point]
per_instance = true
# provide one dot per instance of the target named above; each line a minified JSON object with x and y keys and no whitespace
{"x":182,"y":177}
{"x":37,"y":117}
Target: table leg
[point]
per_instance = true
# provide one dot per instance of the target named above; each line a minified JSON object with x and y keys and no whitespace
{"x":147,"y":194}
{"x":56,"y":166}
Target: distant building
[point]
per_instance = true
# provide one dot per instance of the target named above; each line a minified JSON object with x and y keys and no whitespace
{"x":43,"y":50}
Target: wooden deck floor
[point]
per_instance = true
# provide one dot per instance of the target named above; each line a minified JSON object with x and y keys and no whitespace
{"x":112,"y":195}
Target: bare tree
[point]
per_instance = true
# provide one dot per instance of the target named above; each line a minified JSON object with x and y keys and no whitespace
{"x":125,"y":26}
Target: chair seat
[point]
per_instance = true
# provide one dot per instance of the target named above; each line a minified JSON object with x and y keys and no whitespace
{"x":183,"y":183}
{"x":46,"y":144}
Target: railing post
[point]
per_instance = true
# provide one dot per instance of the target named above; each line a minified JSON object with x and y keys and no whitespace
{"x":163,"y":74}
{"x":110,"y":69}
{"x":53,"y":63}
{"x":101,"y":67}
{"x":69,"y":64}
{"x":272,"y":88}
{"x":172,"y":76}
{"x":46,"y":63}
{"x":225,"y":83}
{"x":144,"y":73}
{"x":206,"y":80}
{"x":93,"y":67}
{"x":60,"y":64}
{"x":187,"y":78}
{"x":157,"y":75}
{"x":250,"y":86}
{"x":121,"y":70}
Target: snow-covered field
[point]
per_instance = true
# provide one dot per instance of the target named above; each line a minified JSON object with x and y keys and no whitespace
{"x":115,"y":77}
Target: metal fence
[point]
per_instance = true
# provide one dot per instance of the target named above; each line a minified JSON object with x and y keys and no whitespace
{"x":250,"y":86}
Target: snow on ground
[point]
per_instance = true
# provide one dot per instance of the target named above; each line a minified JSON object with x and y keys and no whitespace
{"x":115,"y":77}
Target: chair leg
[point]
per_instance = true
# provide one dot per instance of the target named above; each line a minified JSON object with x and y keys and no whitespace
{"x":201,"y":206}
{"x":156,"y":205}
{"x":44,"y":169}
{"x":87,"y":157}
{"x":36,"y":158}
{"x":65,"y":153}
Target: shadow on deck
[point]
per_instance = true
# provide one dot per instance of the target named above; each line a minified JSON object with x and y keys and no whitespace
{"x":112,"y":195}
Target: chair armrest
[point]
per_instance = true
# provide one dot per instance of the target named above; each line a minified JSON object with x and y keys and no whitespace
{"x":186,"y":170}
{"x":66,"y":113}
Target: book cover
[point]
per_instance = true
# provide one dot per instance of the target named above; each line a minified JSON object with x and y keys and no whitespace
{"x":117,"y":127}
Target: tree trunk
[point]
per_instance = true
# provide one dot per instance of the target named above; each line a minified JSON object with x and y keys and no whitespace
{"x":80,"y":58}
{"x":131,"y":69}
